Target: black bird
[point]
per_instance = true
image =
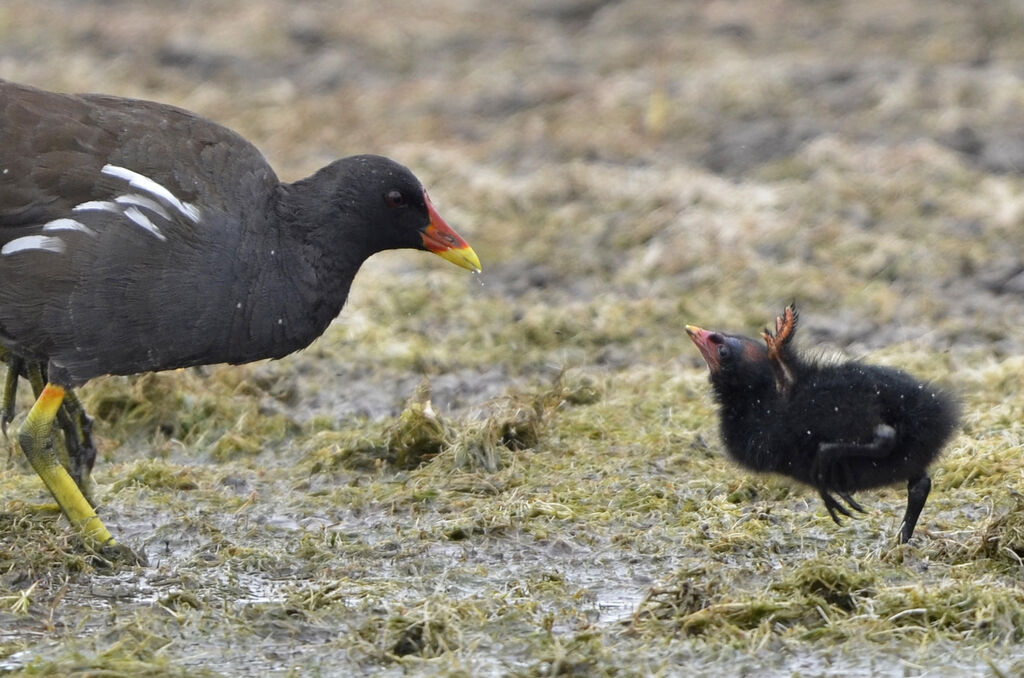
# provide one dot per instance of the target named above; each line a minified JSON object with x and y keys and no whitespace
{"x":839,"y":427}
{"x":136,"y":236}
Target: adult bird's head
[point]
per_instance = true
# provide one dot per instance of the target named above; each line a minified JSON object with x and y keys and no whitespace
{"x":396,"y":209}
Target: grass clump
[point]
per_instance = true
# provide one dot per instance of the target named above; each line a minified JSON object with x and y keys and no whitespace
{"x":1003,"y":536}
{"x":426,"y":629}
{"x":418,"y":435}
{"x":425,"y":639}
{"x":157,"y":474}
{"x":677,"y":605}
{"x":513,"y":423}
{"x":223,"y":410}
{"x":952,"y":609}
{"x":828,"y":582}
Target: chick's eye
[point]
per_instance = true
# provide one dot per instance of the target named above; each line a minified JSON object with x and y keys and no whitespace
{"x":394,"y":198}
{"x":723,"y":351}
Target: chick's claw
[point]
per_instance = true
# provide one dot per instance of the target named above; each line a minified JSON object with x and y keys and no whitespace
{"x":834,"y":507}
{"x":853,"y":503}
{"x":785,"y":327}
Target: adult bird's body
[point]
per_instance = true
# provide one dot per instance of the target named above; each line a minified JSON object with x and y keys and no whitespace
{"x":136,"y":236}
{"x":839,"y":427}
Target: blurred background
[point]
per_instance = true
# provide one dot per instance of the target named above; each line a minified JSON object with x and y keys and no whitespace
{"x":706,"y":159}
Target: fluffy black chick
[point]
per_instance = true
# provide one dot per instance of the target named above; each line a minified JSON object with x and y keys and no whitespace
{"x":839,"y":427}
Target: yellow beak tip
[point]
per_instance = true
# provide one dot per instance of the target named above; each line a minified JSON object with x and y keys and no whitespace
{"x":463,"y":257}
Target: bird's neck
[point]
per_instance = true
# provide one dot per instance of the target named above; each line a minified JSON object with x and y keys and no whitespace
{"x":747,"y":401}
{"x":306,"y":269}
{"x":326,"y":243}
{"x":745,"y":420}
{"x":750,"y":403}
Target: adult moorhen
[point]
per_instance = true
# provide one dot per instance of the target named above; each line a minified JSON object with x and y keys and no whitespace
{"x":839,"y":427}
{"x":136,"y":236}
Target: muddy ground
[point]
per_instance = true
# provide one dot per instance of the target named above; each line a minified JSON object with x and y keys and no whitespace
{"x":563,"y":505}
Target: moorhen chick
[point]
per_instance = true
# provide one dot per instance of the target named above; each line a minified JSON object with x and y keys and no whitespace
{"x":136,"y":236}
{"x":839,"y":427}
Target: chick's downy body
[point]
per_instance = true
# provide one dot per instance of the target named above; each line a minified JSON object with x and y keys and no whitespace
{"x":837,"y":426}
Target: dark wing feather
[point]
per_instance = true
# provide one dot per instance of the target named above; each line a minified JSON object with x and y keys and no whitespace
{"x":54,"y":146}
{"x":99,"y":305}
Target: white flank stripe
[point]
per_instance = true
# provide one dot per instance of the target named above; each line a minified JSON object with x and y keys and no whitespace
{"x":47,"y":243}
{"x":143,"y":201}
{"x":141,"y":219}
{"x":100,"y":205}
{"x":144,"y":183}
{"x":67,"y":225}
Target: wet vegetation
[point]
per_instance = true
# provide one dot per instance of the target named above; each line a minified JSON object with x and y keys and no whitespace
{"x":519,"y":473}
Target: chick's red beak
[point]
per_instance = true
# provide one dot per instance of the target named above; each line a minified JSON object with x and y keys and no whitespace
{"x":707,"y":346}
{"x":442,"y":240}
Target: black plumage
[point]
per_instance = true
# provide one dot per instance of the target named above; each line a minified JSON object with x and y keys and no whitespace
{"x":136,"y":236}
{"x":152,"y":238}
{"x":839,"y":427}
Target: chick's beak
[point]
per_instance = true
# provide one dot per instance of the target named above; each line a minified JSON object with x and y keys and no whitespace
{"x":702,"y":340}
{"x":442,"y":240}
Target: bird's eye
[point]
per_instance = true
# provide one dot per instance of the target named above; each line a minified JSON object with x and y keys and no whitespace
{"x":394,"y":198}
{"x":721,"y":344}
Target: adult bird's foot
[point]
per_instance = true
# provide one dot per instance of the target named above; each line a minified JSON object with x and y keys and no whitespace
{"x":114,"y":553}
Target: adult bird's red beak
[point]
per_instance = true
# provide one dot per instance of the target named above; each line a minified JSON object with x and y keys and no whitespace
{"x":442,"y":240}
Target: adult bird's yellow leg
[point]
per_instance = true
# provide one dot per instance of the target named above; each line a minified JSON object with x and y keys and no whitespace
{"x":78,"y":453}
{"x":34,"y":437}
{"x":78,"y":445}
{"x":38,"y":381}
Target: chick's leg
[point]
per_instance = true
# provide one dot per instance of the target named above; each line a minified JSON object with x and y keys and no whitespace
{"x":829,"y":462}
{"x":917,"y":494}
